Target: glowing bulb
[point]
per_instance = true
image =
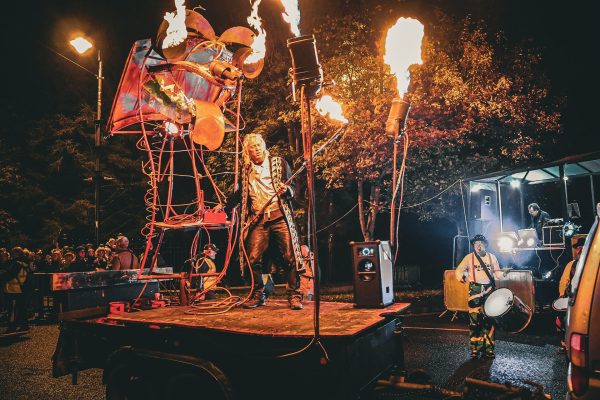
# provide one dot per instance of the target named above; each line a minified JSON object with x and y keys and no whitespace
{"x":515,"y":183}
{"x":171,"y":128}
{"x":530,"y":242}
{"x":476,"y":188}
{"x":566,"y":178}
{"x":505,"y":244}
{"x":81,"y":44}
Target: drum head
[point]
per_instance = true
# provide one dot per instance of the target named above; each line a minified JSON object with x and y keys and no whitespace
{"x":498,"y":303}
{"x":560,"y":304}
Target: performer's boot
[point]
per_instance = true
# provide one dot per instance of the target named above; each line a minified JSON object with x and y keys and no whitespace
{"x":295,"y":301}
{"x":258,"y":300}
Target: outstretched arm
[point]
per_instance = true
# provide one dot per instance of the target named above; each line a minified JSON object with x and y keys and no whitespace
{"x":462,"y":270}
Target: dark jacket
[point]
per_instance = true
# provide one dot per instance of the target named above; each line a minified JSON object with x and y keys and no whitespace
{"x":539,"y":221}
{"x":15,"y":279}
{"x":124,"y":259}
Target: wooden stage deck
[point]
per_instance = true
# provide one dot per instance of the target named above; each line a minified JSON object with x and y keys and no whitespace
{"x":275,"y":319}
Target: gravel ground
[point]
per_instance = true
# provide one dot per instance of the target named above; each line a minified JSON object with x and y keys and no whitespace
{"x":26,"y":370}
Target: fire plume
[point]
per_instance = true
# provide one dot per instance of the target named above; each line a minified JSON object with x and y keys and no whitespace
{"x":259,"y":47}
{"x":176,"y":32}
{"x":403,"y":49}
{"x":326,"y":105}
{"x":291,"y":15}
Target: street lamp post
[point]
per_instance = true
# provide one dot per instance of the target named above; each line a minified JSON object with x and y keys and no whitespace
{"x":82,"y":45}
{"x":98,"y":144}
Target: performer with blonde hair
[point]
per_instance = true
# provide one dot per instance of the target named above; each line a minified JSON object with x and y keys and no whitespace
{"x":267,"y":213}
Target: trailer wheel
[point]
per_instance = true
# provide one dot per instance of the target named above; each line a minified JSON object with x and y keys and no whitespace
{"x":123,"y":383}
{"x":201,"y":383}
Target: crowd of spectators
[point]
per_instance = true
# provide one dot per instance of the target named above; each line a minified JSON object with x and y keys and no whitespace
{"x":18,"y":265}
{"x":82,"y":258}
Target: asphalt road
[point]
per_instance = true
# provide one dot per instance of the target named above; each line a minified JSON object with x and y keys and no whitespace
{"x":435,"y":345}
{"x":439,"y":347}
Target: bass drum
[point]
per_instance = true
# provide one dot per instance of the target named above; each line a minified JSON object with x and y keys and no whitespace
{"x":560,"y":304}
{"x":507,"y":310}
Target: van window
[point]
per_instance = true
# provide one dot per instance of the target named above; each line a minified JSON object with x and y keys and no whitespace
{"x":581,"y":263}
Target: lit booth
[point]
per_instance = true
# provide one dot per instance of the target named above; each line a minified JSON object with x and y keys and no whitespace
{"x":496,"y":205}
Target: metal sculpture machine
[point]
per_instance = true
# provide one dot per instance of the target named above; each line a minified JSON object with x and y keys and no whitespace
{"x":182,"y":94}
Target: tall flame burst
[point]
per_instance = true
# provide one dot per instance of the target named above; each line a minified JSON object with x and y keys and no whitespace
{"x":259,"y":47}
{"x":176,"y":32}
{"x":291,"y":15}
{"x":326,"y":105}
{"x":403,"y":49}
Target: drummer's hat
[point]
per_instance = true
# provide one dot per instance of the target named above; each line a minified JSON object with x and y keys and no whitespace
{"x":210,"y":246}
{"x":479,"y":238}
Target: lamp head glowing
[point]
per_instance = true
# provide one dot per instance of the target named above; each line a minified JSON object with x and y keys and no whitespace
{"x":506,"y":244}
{"x":515,"y":183}
{"x":80,"y":44}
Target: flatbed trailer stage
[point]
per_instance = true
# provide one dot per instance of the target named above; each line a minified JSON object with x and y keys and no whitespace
{"x":262,"y":353}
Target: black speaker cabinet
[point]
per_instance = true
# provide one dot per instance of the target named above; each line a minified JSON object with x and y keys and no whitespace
{"x":372,"y":270}
{"x":483,"y":205}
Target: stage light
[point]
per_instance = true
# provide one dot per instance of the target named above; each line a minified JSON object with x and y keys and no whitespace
{"x":566,"y":178}
{"x":506,"y":244}
{"x":515,"y":183}
{"x":547,"y":275}
{"x":530,"y":242}
{"x":569,"y":229}
{"x":81,"y":44}
{"x":306,"y":70}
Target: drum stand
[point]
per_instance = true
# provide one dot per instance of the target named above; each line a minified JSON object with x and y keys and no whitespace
{"x":454,"y":314}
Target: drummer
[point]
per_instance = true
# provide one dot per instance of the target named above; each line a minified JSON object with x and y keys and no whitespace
{"x":564,"y":287}
{"x":471,"y":270}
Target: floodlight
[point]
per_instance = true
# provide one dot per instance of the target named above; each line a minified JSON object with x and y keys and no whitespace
{"x":569,"y":229}
{"x":528,"y":236}
{"x":506,"y":242}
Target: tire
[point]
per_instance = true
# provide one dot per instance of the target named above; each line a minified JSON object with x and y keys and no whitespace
{"x":197,"y":384}
{"x":123,"y":383}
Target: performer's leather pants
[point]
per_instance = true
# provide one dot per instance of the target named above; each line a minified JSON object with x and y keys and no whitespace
{"x":256,"y":244}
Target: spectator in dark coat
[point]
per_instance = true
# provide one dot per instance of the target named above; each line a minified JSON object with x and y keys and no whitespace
{"x":16,"y":287}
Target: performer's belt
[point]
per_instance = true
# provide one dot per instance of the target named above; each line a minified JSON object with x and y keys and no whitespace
{"x":272,"y":213}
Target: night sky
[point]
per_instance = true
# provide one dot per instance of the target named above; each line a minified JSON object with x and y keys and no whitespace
{"x":40,"y":82}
